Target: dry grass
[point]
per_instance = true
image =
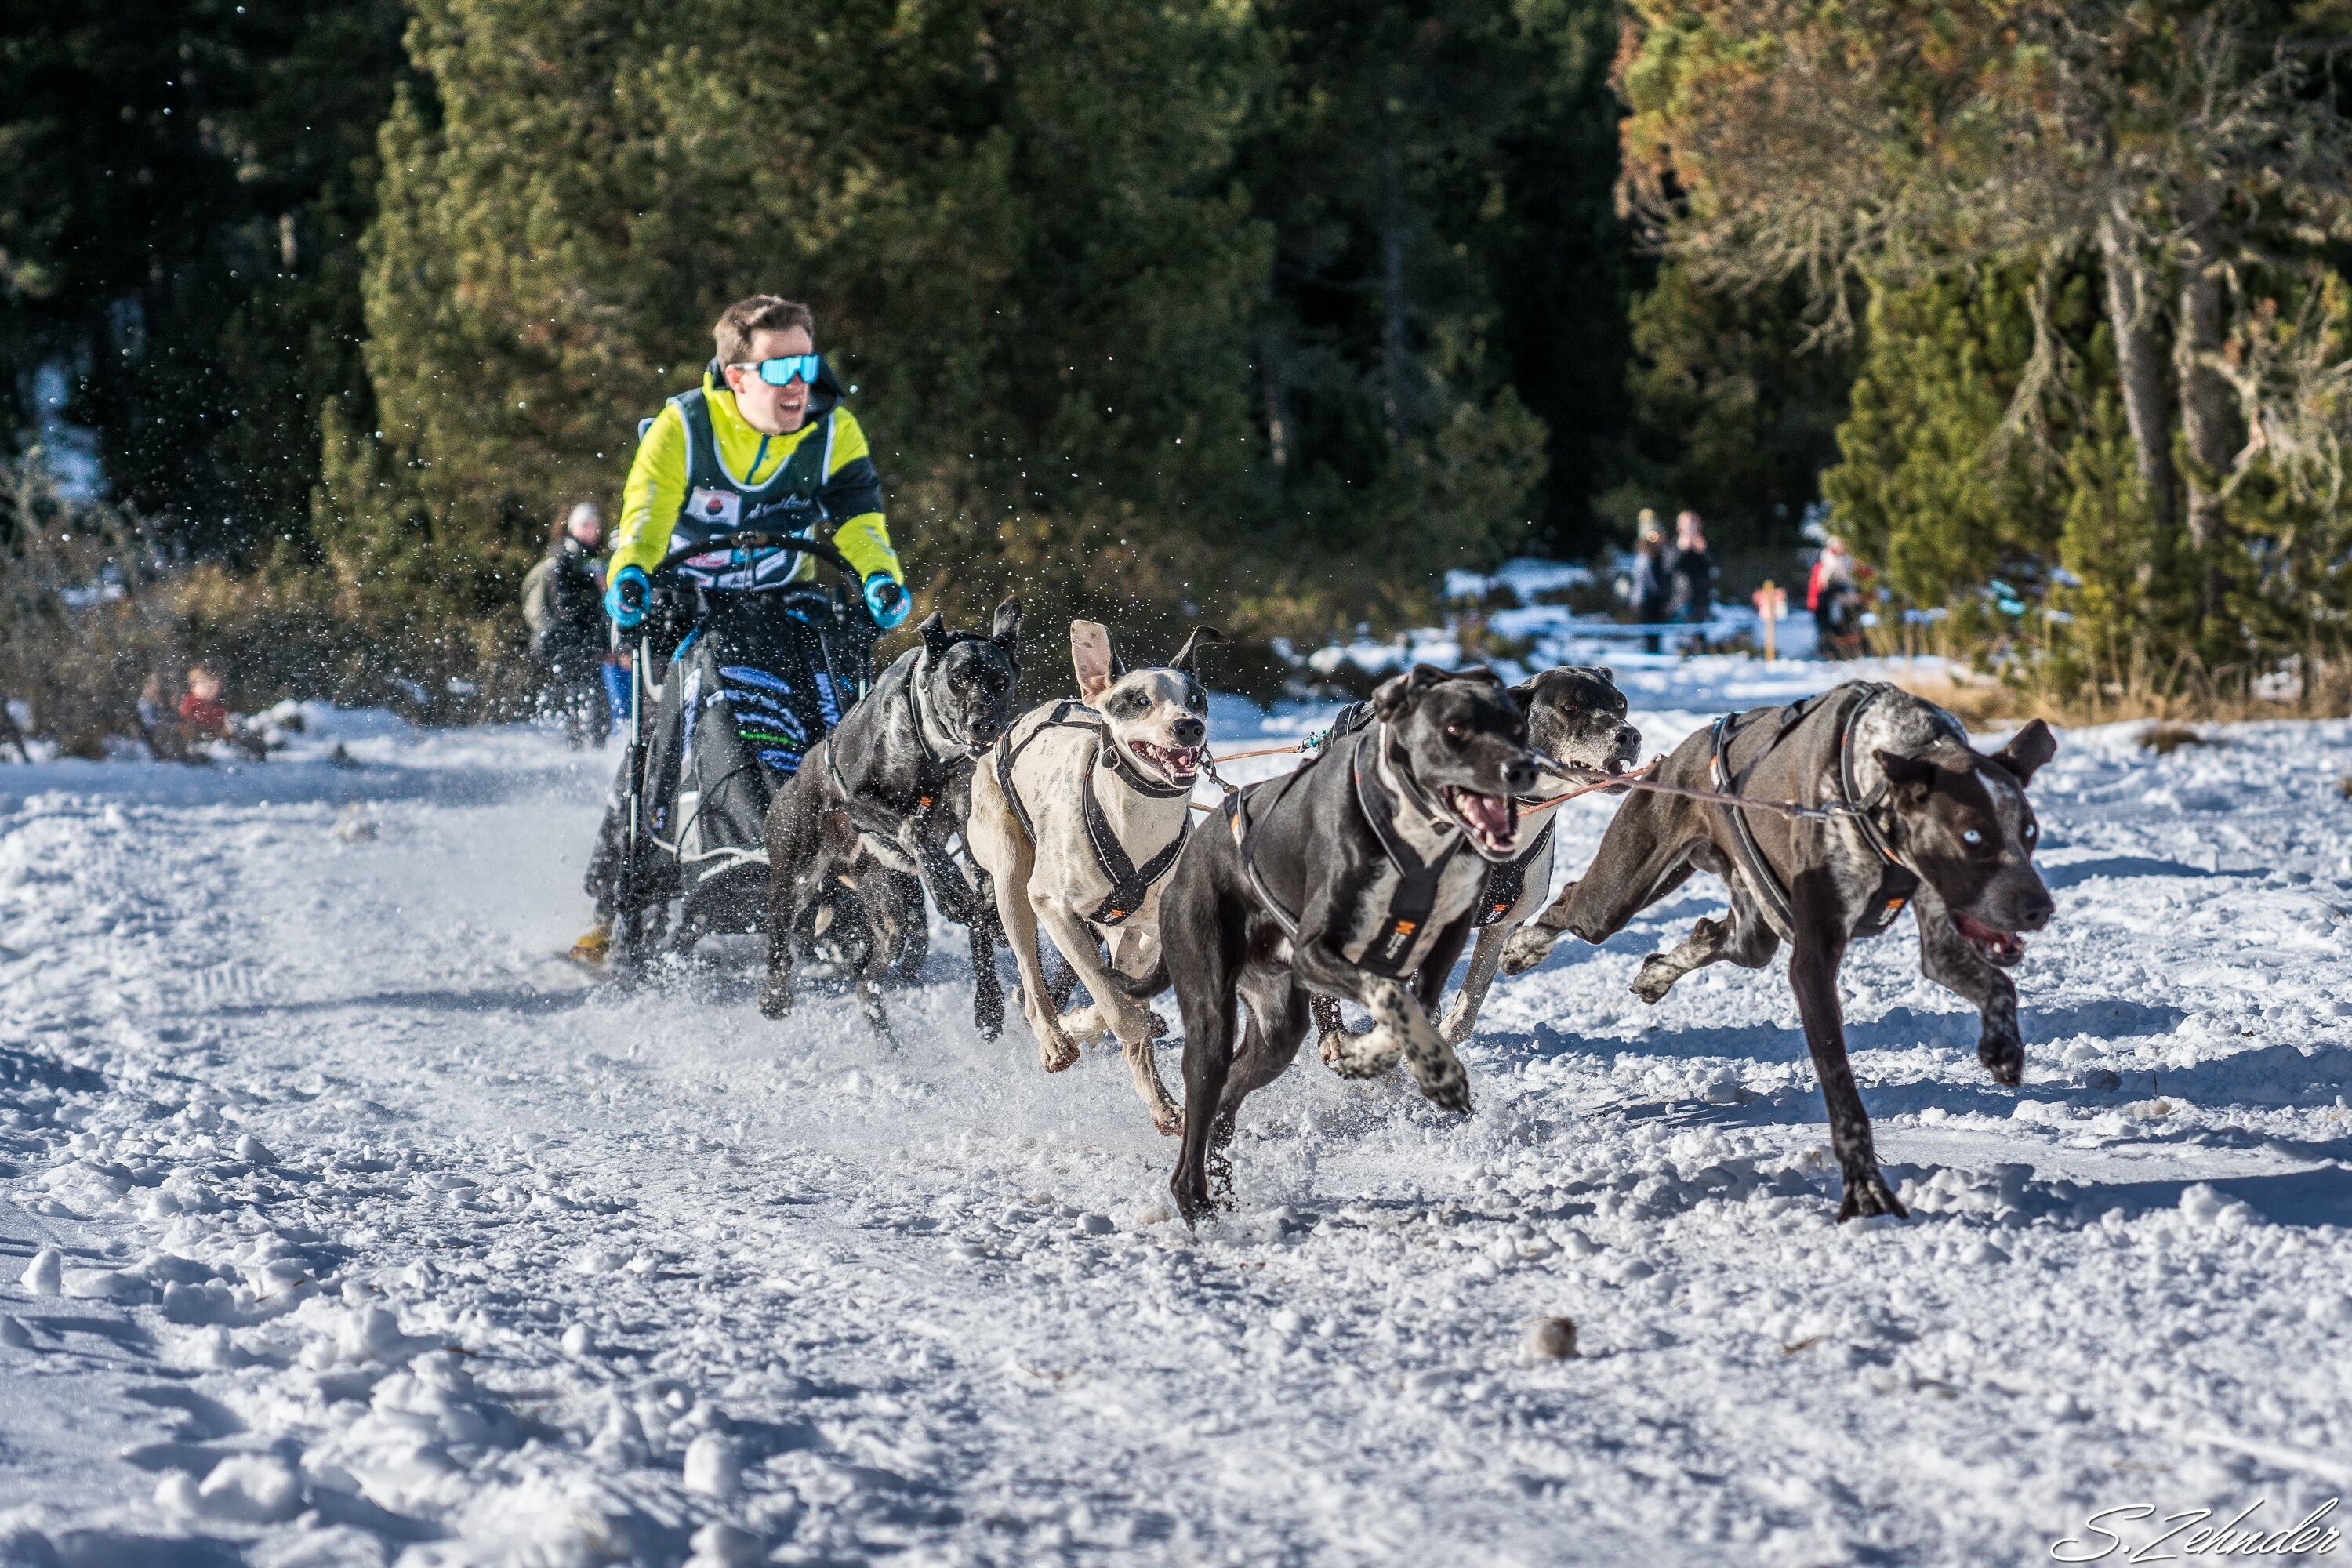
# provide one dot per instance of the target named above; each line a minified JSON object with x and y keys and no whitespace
{"x":88,"y":614}
{"x":2166,"y":738}
{"x":2166,"y":692}
{"x":82,"y":622}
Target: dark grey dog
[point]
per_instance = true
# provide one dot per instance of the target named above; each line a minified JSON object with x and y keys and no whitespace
{"x":876,"y":801}
{"x":1575,"y":714}
{"x":1346,"y":878}
{"x":1936,"y":826}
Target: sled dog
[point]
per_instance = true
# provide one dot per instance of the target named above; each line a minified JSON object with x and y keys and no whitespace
{"x":1077,"y":817}
{"x":1349,"y":876}
{"x":1924,"y":821}
{"x":876,"y":802}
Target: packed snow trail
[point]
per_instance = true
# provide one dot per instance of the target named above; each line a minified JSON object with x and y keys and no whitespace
{"x":343,"y":1223}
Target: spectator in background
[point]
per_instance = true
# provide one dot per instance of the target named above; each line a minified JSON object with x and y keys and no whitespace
{"x":1653,"y":588}
{"x":160,"y":724}
{"x":563,"y":604}
{"x":1694,"y":571}
{"x":203,"y":714}
{"x":1833,"y":594}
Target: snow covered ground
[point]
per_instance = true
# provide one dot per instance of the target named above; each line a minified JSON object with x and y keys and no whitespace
{"x":343,"y":1221}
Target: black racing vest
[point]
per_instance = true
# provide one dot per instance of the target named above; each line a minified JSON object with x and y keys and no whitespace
{"x":718,"y":504}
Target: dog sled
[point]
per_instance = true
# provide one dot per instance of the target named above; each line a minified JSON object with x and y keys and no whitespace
{"x":728,"y":692}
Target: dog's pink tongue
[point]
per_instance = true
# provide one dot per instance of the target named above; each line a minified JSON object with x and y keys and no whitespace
{"x":2008,"y":945}
{"x":1490,"y":814}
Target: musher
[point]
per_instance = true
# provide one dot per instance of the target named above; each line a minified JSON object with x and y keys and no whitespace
{"x":764,"y":444}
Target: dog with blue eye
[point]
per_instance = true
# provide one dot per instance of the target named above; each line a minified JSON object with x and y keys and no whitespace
{"x":1898,"y":811}
{"x":1077,"y":817}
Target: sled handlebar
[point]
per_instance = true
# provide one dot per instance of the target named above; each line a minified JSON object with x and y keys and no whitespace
{"x":823,"y":550}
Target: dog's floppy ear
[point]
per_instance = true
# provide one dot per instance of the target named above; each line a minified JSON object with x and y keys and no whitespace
{"x":1006,"y":632}
{"x":1605,"y":673}
{"x":1188,"y":658}
{"x":1397,"y":693}
{"x":1092,"y":658}
{"x":1911,"y":776}
{"x":2026,"y":752}
{"x":935,"y":633}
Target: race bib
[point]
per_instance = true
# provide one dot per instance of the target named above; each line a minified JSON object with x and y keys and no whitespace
{"x":715,"y":508}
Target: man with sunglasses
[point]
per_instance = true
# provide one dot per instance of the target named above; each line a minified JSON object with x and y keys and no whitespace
{"x":764,"y":444}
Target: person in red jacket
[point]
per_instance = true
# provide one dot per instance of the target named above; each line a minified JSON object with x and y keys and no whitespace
{"x":201,"y":710}
{"x":1833,"y":594}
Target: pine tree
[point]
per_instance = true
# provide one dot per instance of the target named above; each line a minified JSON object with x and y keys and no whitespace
{"x":1013,"y":222}
{"x":1735,"y":409}
{"x":1941,"y":489}
{"x":182,"y":186}
{"x":1405,"y":166}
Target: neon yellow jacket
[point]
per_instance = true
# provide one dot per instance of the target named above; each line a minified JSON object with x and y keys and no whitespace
{"x":655,"y":493}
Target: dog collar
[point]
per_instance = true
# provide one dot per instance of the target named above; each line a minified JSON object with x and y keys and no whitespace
{"x":1133,"y":777}
{"x":1507,"y":880}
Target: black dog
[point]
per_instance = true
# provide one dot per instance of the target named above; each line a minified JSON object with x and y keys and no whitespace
{"x":1924,"y":819}
{"x":876,"y":801}
{"x":1575,"y":714}
{"x":1343,"y":877}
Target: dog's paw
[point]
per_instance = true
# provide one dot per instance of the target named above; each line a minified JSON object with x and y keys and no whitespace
{"x":1528,"y":946}
{"x":1458,"y":1022}
{"x":1360,"y":1056}
{"x":2004,"y":1058}
{"x":1869,"y":1197}
{"x":1444,"y":1082}
{"x":1168,"y":1122}
{"x":1056,"y":1052}
{"x":776,"y":1002}
{"x":1658,"y":976}
{"x":1159,"y":1027}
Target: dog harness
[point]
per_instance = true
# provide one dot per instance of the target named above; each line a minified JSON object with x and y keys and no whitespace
{"x":1896,"y":881}
{"x":1416,"y":898}
{"x":1129,"y":884}
{"x":1507,"y":882}
{"x":933,"y":776}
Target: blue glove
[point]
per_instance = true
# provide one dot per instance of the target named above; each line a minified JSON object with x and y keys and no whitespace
{"x":625,"y":601}
{"x":887,"y":601}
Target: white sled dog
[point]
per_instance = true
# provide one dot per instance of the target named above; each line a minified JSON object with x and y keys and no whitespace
{"x":1078,"y":817}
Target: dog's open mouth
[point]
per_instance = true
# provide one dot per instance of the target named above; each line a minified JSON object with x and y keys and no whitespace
{"x":1491,"y":820}
{"x":1177,"y":764}
{"x":2003,"y":947}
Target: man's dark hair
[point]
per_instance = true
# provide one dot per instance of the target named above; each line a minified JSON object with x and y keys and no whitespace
{"x":759,"y":313}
